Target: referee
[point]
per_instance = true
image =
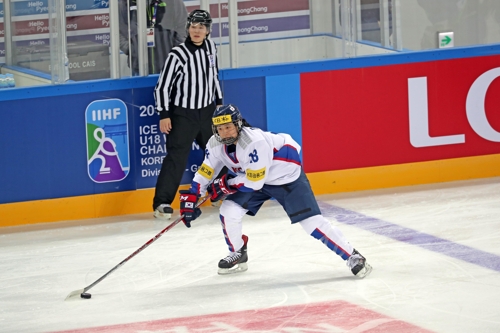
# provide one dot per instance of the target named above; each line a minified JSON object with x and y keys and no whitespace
{"x":186,"y":95}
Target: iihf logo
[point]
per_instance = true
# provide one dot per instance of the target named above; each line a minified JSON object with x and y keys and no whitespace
{"x":108,"y":157}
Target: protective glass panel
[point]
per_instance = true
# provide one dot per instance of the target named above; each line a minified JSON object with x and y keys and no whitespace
{"x":32,"y":26}
{"x":268,"y":31}
{"x":87,"y":31}
{"x":264,"y":24}
{"x":88,"y":39}
{"x":473,"y":22}
{"x":298,"y":30}
{"x":163,"y":23}
{"x":2,"y":34}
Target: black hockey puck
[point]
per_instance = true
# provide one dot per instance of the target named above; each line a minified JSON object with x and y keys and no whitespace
{"x":85,"y":295}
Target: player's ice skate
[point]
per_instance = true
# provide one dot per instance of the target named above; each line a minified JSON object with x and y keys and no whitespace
{"x":235,"y":262}
{"x":358,"y":265}
{"x":163,"y":212}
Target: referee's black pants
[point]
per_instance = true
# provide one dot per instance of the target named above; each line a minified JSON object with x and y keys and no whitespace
{"x":187,"y":125}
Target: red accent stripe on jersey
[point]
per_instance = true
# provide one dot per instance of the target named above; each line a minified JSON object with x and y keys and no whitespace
{"x":228,"y":242}
{"x":318,"y":234}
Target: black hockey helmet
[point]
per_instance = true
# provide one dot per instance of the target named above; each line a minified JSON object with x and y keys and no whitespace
{"x":199,"y":16}
{"x":225,"y":114}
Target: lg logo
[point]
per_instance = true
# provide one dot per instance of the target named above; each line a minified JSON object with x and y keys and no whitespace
{"x":476,"y":112}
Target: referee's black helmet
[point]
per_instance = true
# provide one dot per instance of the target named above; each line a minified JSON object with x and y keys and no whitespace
{"x":199,"y":16}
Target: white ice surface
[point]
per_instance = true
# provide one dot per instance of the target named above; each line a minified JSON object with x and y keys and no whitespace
{"x":176,"y":277}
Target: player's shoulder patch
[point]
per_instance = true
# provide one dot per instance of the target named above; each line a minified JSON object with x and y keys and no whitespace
{"x":245,"y":138}
{"x":213,"y":142}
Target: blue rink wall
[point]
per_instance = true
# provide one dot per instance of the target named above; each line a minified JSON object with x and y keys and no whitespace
{"x":49,"y":145}
{"x":44,"y":139}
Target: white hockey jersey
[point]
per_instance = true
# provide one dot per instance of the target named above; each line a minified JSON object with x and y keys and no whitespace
{"x":260,"y":158}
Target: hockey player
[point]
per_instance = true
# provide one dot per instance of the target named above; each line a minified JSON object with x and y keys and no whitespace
{"x":262,"y":165}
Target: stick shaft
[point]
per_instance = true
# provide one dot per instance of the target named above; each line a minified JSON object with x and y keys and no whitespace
{"x":139,"y":250}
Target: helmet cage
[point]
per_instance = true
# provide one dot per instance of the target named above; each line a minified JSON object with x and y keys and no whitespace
{"x":224,"y":115}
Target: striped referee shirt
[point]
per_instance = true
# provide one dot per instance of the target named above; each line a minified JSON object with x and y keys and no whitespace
{"x":189,"y":78}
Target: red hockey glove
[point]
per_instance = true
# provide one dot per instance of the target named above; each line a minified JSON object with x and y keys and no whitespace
{"x":220,"y":188}
{"x":188,"y":207}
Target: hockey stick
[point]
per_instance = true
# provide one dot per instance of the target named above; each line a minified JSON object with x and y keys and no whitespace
{"x":83,"y":292}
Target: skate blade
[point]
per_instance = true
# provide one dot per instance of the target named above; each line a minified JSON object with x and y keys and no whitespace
{"x":242,"y":267}
{"x":162,"y":216}
{"x":365,"y":271}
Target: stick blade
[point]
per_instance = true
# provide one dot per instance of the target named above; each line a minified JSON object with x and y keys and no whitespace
{"x":74,"y":295}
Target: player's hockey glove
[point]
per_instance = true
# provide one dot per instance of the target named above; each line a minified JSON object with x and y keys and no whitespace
{"x":188,"y":207}
{"x":220,"y":188}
